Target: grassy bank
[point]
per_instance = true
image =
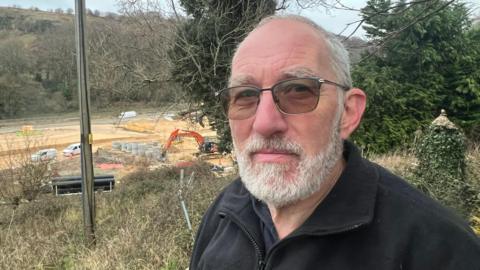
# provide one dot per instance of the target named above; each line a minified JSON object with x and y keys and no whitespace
{"x":139,"y":226}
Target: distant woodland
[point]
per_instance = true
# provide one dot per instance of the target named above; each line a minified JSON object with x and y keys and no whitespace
{"x":127,"y":61}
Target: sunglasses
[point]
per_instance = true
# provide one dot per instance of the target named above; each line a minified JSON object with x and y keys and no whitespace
{"x":292,"y":96}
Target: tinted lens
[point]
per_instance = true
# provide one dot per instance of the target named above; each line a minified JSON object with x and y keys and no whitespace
{"x":240,"y":102}
{"x":297,"y":95}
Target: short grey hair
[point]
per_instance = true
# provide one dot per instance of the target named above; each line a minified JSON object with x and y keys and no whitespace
{"x":339,"y":56}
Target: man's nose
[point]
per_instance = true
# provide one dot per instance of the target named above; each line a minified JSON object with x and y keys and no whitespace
{"x":268,"y":119}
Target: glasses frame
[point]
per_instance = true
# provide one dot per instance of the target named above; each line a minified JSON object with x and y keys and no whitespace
{"x":275,"y":98}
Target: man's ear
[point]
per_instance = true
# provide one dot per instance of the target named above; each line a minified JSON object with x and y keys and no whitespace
{"x":354,"y":105}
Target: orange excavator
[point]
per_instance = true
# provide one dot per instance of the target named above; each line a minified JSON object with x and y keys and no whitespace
{"x":204,"y":145}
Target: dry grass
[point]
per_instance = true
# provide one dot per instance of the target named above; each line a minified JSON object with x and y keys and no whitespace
{"x":473,"y":161}
{"x":403,"y":162}
{"x":473,"y":173}
{"x":398,"y":162}
{"x":139,"y":226}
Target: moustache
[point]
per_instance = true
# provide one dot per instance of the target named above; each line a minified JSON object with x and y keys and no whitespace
{"x":275,"y":143}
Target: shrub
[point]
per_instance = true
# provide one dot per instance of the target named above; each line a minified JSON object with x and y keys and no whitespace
{"x":22,"y":178}
{"x":441,"y":170}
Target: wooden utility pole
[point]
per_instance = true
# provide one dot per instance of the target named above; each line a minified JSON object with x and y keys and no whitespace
{"x":88,"y":196}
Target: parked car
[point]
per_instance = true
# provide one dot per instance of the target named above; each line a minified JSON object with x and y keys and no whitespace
{"x":72,"y":150}
{"x":45,"y":154}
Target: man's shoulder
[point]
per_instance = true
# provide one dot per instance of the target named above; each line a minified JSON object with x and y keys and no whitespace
{"x":427,"y":230}
{"x":397,"y":188}
{"x":410,"y":205}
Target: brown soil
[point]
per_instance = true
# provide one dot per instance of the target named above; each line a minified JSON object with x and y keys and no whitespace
{"x":59,"y":135}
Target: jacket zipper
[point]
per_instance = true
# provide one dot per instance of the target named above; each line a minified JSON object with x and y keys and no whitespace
{"x":263,"y":262}
{"x":258,"y":251}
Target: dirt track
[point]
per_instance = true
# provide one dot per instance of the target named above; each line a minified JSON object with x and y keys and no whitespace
{"x":61,"y":133}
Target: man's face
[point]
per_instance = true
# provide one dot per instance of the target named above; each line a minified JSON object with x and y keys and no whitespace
{"x":284,"y":158}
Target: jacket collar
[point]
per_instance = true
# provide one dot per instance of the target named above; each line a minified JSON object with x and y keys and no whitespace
{"x":349,"y":204}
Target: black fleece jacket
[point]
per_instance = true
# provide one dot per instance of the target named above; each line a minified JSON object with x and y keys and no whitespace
{"x":371,"y":219}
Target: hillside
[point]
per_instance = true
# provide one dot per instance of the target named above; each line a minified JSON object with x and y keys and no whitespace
{"x":38,"y":64}
{"x":30,"y":21}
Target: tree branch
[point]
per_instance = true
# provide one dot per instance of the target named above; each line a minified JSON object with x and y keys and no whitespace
{"x":399,"y":31}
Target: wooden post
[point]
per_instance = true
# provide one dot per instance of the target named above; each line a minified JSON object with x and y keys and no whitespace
{"x":86,"y":138}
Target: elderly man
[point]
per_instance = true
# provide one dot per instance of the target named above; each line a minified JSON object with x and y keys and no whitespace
{"x":306,"y":199}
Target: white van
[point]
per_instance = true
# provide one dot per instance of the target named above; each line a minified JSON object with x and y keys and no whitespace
{"x":72,"y":150}
{"x":127,"y":115}
{"x":45,"y":154}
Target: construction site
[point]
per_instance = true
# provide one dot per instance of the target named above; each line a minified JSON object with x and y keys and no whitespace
{"x":121,"y":144}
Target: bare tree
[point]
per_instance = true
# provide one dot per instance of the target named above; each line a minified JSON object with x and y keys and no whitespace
{"x":21,"y":176}
{"x":129,"y":56}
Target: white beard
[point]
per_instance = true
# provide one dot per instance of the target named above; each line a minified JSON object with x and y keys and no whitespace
{"x":280,"y":185}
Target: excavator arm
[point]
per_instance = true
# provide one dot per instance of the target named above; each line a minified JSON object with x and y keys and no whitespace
{"x":199,"y":138}
{"x":170,"y":140}
{"x":183,"y":133}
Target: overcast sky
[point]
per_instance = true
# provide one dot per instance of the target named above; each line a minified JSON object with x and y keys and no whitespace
{"x":333,"y":20}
